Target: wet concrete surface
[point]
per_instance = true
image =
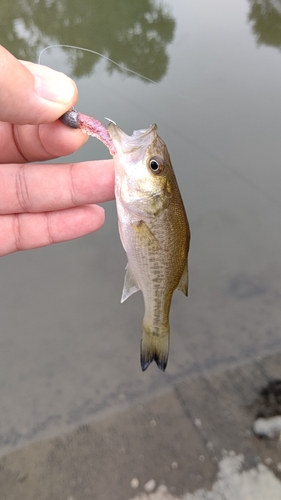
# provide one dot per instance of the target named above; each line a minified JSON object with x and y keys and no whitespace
{"x":167,"y":447}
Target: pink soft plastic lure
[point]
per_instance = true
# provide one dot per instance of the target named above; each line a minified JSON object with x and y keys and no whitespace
{"x":90,"y":126}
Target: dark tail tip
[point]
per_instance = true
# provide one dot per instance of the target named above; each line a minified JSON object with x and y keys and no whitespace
{"x":145,"y":361}
{"x":157,"y":351}
{"x":161,"y":363}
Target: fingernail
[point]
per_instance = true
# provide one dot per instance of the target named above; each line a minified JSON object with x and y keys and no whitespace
{"x":55,"y":87}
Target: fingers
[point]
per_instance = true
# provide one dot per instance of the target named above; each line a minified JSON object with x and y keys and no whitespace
{"x":20,"y":143}
{"x":43,"y":204}
{"x":31,"y":93}
{"x":49,"y":187}
{"x":26,"y":231}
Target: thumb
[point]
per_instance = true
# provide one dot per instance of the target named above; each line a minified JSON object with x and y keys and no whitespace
{"x":32,"y":94}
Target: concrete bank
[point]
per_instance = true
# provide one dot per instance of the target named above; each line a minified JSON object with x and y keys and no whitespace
{"x":195,"y":442}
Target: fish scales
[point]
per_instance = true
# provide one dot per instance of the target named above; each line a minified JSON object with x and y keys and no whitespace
{"x":154,"y":231}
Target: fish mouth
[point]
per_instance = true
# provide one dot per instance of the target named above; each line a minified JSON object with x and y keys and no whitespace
{"x":139,"y":139}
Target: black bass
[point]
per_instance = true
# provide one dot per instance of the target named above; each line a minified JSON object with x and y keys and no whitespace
{"x":154,"y":231}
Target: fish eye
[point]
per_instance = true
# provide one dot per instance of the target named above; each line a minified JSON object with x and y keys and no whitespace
{"x":156,"y":165}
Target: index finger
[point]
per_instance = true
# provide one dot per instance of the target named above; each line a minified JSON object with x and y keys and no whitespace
{"x":49,"y":187}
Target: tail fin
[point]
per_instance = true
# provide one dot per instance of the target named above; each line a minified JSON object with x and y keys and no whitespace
{"x":154,"y":347}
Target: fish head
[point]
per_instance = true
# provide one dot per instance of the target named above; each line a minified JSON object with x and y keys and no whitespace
{"x":144,"y":174}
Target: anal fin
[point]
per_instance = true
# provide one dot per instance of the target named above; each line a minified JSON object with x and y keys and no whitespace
{"x":130,"y":284}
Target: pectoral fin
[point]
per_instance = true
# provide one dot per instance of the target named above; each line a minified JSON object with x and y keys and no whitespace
{"x":130,"y":284}
{"x":183,"y":283}
{"x":145,"y":236}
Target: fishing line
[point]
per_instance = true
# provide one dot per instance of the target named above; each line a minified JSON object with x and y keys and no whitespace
{"x":123,"y":68}
{"x":97,"y":54}
{"x":201,"y":148}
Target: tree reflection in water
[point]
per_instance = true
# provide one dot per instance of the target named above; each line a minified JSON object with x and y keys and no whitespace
{"x":133,"y":33}
{"x":265,"y":18}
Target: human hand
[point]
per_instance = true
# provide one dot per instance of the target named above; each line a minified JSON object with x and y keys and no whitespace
{"x":41,"y":204}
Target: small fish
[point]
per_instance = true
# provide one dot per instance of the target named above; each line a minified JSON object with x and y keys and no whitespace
{"x":153,"y":226}
{"x":154,"y":231}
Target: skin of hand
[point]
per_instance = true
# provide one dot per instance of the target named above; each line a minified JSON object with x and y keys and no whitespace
{"x":42,"y":204}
